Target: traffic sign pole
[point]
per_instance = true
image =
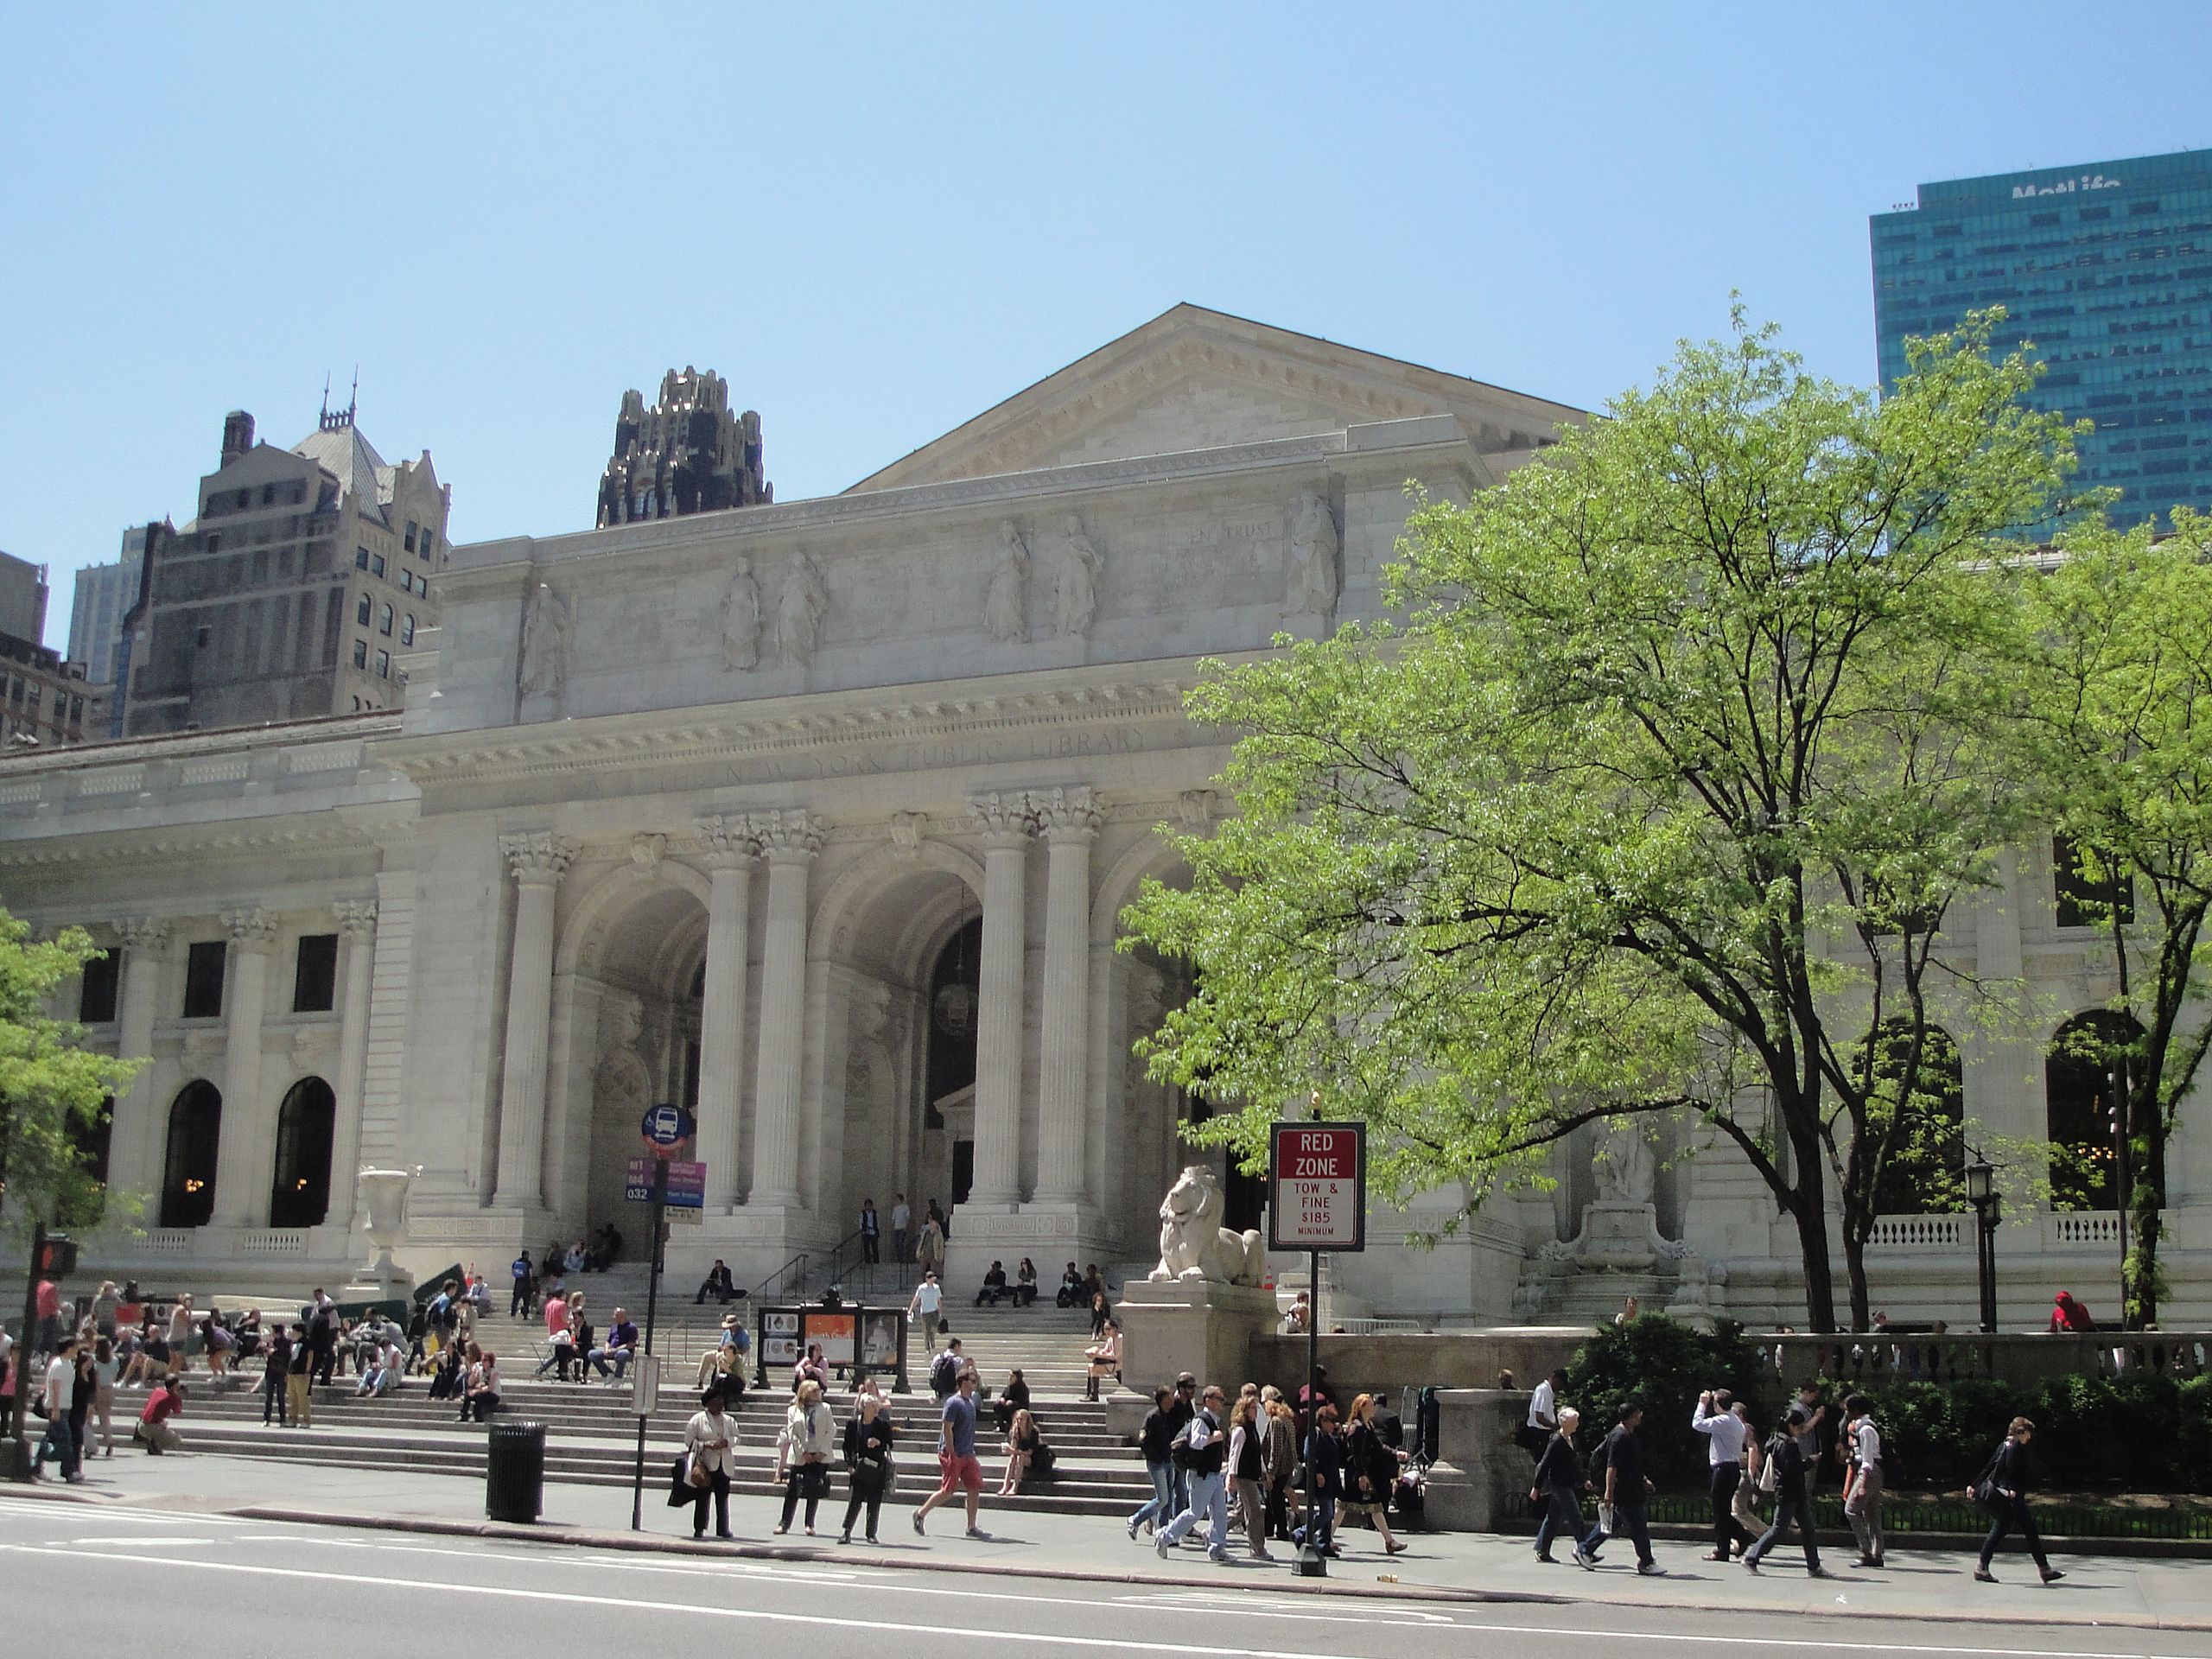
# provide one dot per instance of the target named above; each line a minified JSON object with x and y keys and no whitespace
{"x":652,"y":1306}
{"x":1317,"y":1178}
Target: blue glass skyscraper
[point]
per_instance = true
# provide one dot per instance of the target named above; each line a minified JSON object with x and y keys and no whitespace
{"x":2108,"y":269}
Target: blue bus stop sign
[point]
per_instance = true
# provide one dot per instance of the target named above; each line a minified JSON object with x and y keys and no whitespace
{"x":666,"y":1125}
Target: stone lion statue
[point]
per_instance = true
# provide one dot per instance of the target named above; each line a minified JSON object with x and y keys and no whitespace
{"x":1193,"y":1244}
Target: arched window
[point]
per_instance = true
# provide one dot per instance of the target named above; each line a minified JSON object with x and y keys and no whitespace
{"x":407,"y":630}
{"x":2077,"y":1106}
{"x":188,"y":1171}
{"x":301,"y":1194}
{"x":1926,"y":1167}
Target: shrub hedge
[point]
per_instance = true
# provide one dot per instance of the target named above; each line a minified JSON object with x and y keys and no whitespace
{"x":2140,"y":1433}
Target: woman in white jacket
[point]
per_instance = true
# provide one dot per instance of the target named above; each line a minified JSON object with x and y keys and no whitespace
{"x":708,"y":1440}
{"x":803,"y":1454}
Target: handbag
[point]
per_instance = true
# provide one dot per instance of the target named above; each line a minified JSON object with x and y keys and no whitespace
{"x":696,"y":1475}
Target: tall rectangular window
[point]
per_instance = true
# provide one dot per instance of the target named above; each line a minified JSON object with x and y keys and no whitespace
{"x":2084,"y":900}
{"x":315,"y":981}
{"x":96,"y":994}
{"x":203,"y":979}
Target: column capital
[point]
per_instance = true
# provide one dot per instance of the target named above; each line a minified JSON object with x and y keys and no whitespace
{"x":1069,"y":814}
{"x":1006,"y":820}
{"x":731,"y":843}
{"x":141,"y":934}
{"x":250,"y":930}
{"x":793,"y":836}
{"x":537,"y":857}
{"x":357,"y":917}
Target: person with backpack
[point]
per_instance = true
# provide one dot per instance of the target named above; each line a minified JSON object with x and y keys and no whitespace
{"x":1625,"y":1493}
{"x":1786,"y":1473}
{"x":945,"y":1370}
{"x":1201,"y":1452}
{"x":1862,"y":1481}
{"x":1555,"y":1494}
{"x":2003,"y":1489}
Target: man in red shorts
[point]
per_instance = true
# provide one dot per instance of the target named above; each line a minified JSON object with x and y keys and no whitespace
{"x":956,"y":1455}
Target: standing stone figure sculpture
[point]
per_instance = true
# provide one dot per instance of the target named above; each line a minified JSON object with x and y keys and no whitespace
{"x":798,"y":613}
{"x":741,"y":617}
{"x":545,"y":628}
{"x":1627,"y":1172}
{"x":1310,"y":585}
{"x":1006,"y":601}
{"x":1077,"y":598}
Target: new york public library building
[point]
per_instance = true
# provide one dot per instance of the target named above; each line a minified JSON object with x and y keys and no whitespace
{"x":817,"y":817}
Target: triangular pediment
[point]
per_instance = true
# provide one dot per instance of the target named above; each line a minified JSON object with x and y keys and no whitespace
{"x":1193,"y":379}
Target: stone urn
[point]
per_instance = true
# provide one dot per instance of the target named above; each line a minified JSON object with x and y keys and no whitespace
{"x":384,"y":1198}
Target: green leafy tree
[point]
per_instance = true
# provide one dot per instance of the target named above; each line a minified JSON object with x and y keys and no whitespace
{"x":53,"y":1088}
{"x":2115,"y":723}
{"x":1654,"y":802}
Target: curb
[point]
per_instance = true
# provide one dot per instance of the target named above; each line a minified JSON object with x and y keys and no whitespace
{"x":657,"y":1544}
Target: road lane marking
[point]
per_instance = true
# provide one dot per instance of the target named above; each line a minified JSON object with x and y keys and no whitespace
{"x":1198,"y":1650}
{"x":144,"y":1543}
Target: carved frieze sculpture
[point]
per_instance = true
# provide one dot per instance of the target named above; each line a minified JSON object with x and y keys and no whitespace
{"x":1006,"y":601}
{"x":1310,"y":586}
{"x":545,"y":629}
{"x":1076,"y":601}
{"x":798,"y":613}
{"x":741,"y":617}
{"x":1193,"y":1244}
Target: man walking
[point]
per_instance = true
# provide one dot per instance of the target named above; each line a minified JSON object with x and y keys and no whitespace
{"x":946,"y":1370}
{"x":59,"y":1442}
{"x":1626,"y":1490}
{"x":902,"y":1222}
{"x":1862,"y":1482}
{"x":322,"y":1335}
{"x":299,"y":1381}
{"x":956,"y":1456}
{"x":871,"y":1234}
{"x":922,"y":1307}
{"x":1725,"y":1433}
{"x":519,"y":1303}
{"x":1200,"y":1453}
{"x":276,"y":1366}
{"x":1792,"y":1498}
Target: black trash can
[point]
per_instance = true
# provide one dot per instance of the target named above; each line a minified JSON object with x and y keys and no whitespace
{"x":514,"y":1471}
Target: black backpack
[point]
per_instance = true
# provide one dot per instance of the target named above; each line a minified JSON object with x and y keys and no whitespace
{"x":944,"y":1374}
{"x":1984,"y":1484}
{"x":1600,"y":1458}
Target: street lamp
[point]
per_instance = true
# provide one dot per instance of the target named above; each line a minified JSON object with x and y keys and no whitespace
{"x":1981,"y":1193}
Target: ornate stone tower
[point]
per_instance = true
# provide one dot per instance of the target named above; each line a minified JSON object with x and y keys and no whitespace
{"x":686,"y":454}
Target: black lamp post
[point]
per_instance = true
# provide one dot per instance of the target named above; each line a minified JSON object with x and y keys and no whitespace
{"x":1981,"y":1193}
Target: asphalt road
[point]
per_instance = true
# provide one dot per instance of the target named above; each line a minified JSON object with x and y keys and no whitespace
{"x":74,"y":1572}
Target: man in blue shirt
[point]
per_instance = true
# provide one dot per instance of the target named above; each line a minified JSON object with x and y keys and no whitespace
{"x":956,"y":1455}
{"x":621,"y":1344}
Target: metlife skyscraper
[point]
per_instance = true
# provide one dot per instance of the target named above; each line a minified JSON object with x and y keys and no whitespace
{"x":2108,"y":269}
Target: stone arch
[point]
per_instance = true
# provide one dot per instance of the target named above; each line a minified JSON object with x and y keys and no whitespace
{"x":608,"y":900}
{"x":195,"y":1129}
{"x":862,"y":882}
{"x":307,"y":1122}
{"x":1152,"y":856}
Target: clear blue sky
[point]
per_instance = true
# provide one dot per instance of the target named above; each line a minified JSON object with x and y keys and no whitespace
{"x":877,"y":222}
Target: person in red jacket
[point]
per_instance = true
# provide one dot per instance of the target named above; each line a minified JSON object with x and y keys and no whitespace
{"x":154,"y":1432}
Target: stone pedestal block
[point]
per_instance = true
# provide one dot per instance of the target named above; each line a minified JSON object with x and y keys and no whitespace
{"x":1482,"y":1466}
{"x":1190,"y":1324}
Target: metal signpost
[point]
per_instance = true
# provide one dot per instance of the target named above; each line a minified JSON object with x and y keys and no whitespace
{"x":667,"y":1131}
{"x":1316,"y":1201}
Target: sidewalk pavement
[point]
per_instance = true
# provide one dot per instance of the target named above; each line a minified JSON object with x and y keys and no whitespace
{"x":1930,"y":1585}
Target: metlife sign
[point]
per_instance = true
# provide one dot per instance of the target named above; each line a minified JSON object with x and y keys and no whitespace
{"x":1317,"y":1186}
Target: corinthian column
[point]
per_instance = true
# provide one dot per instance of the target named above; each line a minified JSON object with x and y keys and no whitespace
{"x":357,"y":926}
{"x":1069,"y":819}
{"x":731,"y":852}
{"x":1007,"y":826}
{"x":537,"y":861}
{"x":133,"y":1164}
{"x":246,"y":1151}
{"x":790,"y":841}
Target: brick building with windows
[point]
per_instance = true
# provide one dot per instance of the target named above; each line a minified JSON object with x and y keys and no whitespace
{"x":294,"y":592}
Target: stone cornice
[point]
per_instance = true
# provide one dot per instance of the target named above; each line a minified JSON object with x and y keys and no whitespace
{"x":493,"y":566}
{"x":805,"y":724}
{"x":181,"y":745}
{"x":224,"y":842}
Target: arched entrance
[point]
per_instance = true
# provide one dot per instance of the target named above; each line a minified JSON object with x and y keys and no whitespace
{"x":188,"y":1168}
{"x":299,"y":1195}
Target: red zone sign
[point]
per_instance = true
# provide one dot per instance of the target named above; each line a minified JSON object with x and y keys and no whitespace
{"x":1317,"y":1186}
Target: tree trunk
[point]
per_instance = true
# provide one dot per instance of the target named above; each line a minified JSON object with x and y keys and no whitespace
{"x":1854,"y":1267}
{"x":2145,"y":1203}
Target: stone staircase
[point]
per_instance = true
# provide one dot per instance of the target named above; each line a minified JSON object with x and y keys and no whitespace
{"x":591,"y":1438}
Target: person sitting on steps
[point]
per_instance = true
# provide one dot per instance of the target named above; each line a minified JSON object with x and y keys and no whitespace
{"x":994,"y":1285}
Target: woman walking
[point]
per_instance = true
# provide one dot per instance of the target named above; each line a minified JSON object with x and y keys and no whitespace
{"x":869,"y":1438}
{"x":803,"y":1454}
{"x":708,"y":1438}
{"x":1370,"y":1472}
{"x":1247,"y":1468}
{"x":2003,"y":1489}
{"x":103,"y":1370}
{"x":1324,"y":1457}
{"x":1279,"y":1459}
{"x":1555,"y":1492}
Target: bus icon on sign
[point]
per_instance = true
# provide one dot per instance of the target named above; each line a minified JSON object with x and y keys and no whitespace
{"x":666,"y":1125}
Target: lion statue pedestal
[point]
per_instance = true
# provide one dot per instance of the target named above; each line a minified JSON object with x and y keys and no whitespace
{"x":1199,"y":1309}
